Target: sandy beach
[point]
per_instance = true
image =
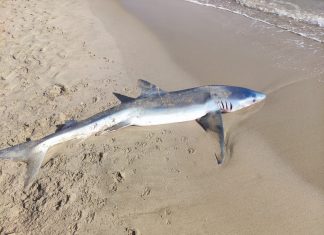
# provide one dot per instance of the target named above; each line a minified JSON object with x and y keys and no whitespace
{"x":62,"y":60}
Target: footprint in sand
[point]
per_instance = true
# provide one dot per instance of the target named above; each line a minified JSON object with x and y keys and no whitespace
{"x":146,"y":192}
{"x":132,"y":231}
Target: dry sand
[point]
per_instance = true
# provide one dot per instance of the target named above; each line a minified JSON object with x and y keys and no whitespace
{"x":62,"y":60}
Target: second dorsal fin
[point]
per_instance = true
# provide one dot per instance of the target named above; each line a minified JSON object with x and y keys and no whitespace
{"x":69,"y":123}
{"x":123,"y":98}
{"x":148,"y":88}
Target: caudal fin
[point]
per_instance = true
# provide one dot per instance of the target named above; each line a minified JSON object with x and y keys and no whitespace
{"x":32,"y":153}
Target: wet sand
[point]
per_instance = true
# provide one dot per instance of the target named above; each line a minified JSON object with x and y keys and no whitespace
{"x":250,"y":54}
{"x":162,"y":179}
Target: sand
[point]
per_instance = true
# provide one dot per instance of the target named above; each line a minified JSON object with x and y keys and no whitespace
{"x":61,"y":60}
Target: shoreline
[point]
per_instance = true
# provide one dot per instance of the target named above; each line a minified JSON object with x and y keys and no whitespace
{"x":286,"y":21}
{"x":254,"y":49}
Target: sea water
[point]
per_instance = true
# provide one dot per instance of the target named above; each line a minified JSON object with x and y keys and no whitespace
{"x":303,"y":17}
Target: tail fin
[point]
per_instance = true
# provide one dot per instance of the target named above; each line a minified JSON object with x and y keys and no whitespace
{"x":32,"y":153}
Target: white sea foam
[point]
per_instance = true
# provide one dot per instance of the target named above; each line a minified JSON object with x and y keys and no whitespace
{"x":284,"y":15}
{"x":285,"y":8}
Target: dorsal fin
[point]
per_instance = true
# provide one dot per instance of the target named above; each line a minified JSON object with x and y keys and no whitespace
{"x":123,"y":98}
{"x":148,"y":89}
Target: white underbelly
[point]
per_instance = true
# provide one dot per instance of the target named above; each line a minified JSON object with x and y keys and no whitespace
{"x":168,"y":115}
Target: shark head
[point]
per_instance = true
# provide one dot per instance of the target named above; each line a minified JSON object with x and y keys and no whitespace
{"x":231,"y":98}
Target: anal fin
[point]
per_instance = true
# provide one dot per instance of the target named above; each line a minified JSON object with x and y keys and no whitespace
{"x":113,"y":128}
{"x":118,"y":126}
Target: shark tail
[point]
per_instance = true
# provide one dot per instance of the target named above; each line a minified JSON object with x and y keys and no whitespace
{"x":32,"y":152}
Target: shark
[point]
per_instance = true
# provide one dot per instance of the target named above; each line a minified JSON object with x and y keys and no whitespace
{"x":153,"y":106}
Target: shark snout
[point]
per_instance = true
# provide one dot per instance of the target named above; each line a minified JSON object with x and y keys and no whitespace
{"x":260,"y":96}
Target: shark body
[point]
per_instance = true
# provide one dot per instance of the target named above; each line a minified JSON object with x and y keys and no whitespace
{"x":153,"y":107}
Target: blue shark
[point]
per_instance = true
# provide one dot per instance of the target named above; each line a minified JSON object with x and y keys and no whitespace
{"x":154,"y":106}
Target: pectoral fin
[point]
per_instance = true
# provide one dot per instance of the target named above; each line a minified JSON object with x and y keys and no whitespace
{"x":212,"y":122}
